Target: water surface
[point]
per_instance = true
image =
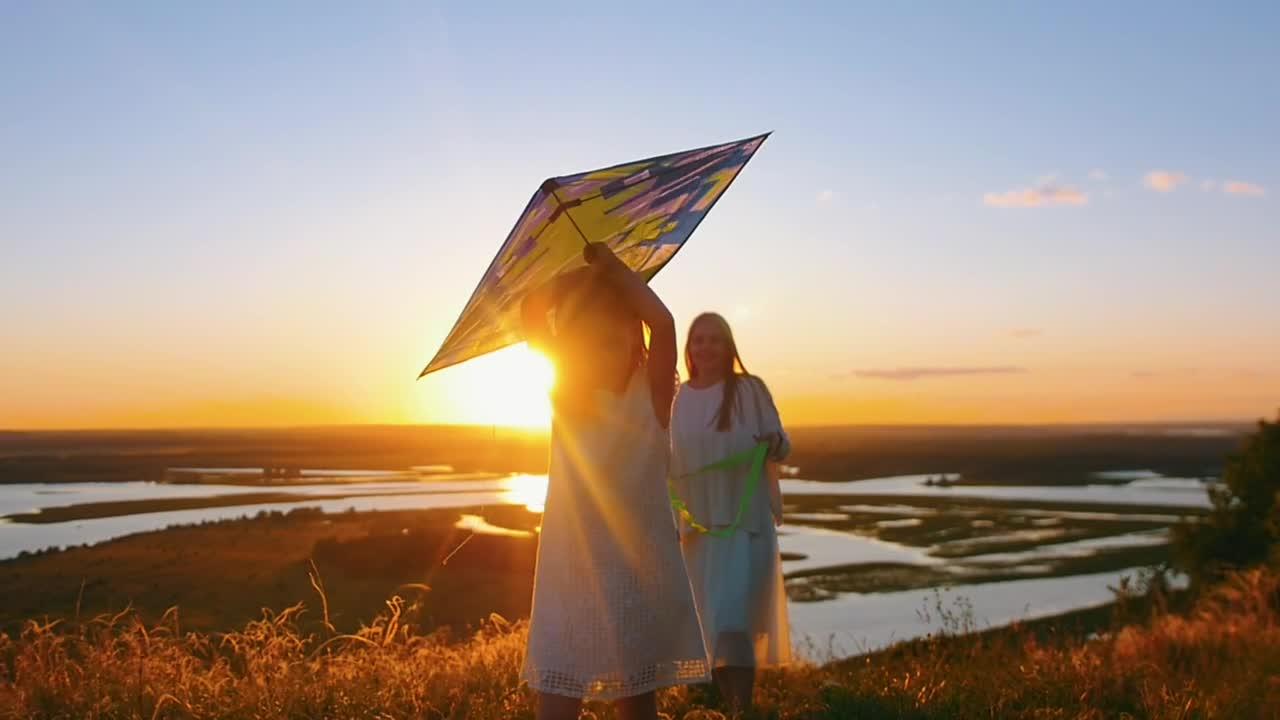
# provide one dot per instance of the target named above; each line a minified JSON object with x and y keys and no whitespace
{"x":862,"y":558}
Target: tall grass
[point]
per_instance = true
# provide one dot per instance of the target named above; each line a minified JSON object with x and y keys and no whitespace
{"x":1219,"y":660}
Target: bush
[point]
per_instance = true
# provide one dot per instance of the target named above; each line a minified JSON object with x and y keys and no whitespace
{"x":1243,"y":529}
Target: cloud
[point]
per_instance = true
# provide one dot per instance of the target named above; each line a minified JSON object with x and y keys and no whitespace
{"x":1146,"y":374}
{"x":918,"y":373}
{"x":1240,"y":187}
{"x":826,"y":196}
{"x":1164,"y":180}
{"x":1022,"y":333}
{"x":1046,"y":191}
{"x":1099,"y":175}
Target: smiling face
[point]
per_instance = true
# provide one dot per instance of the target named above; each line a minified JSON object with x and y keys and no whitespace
{"x":709,"y":350}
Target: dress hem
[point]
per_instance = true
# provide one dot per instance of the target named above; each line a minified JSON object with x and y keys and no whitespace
{"x":606,"y":690}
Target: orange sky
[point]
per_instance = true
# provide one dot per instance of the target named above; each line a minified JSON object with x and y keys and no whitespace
{"x":962,"y":215}
{"x":318,"y":387}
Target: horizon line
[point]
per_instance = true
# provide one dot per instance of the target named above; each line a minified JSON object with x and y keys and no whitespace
{"x":1219,"y":422}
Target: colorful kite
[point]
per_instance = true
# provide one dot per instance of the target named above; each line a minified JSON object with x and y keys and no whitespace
{"x":643,"y":210}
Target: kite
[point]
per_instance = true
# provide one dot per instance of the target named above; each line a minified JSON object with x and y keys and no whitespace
{"x":644,"y":211}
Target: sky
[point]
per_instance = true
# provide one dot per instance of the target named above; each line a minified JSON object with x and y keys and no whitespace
{"x":259,"y":214}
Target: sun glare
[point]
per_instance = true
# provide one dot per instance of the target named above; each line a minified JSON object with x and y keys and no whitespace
{"x":509,"y":387}
{"x":527,"y":490}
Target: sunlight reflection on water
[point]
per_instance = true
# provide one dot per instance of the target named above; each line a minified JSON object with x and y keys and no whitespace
{"x":478,"y":524}
{"x":527,"y":490}
{"x":844,"y":623}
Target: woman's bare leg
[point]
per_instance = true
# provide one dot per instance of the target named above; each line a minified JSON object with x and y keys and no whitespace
{"x":736,"y":685}
{"x":558,"y":707}
{"x":638,"y":707}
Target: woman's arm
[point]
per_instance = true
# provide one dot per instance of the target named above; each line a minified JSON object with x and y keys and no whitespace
{"x":775,"y":497}
{"x":770,"y":429}
{"x":535,"y":306}
{"x":652,"y":311}
{"x":533,"y":316}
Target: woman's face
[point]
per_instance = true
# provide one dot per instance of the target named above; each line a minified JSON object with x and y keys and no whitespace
{"x":709,"y":348}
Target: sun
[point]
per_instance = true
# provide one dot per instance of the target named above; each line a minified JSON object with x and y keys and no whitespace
{"x":509,"y":387}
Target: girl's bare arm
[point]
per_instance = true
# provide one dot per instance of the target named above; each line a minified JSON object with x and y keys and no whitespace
{"x":654,"y":313}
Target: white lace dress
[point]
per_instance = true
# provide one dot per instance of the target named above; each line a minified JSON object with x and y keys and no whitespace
{"x":613,"y":613}
{"x":737,"y":580}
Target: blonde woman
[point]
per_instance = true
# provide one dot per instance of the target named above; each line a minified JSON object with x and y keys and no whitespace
{"x":736,"y":574}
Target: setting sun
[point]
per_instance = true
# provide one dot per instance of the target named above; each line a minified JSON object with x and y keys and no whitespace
{"x":509,"y":387}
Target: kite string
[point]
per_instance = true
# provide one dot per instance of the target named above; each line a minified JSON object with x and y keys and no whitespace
{"x":755,"y":456}
{"x":453,"y":552}
{"x":493,"y":443}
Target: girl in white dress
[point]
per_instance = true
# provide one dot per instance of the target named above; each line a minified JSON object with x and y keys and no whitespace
{"x":737,"y":578}
{"x":613,"y":614}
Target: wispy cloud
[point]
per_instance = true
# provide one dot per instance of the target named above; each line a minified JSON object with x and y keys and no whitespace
{"x":1186,"y":372}
{"x":920,"y":373}
{"x":1099,"y":175}
{"x":1240,"y":187}
{"x":1046,"y":191}
{"x":826,"y":196}
{"x":1164,"y":180}
{"x":1023,"y":333}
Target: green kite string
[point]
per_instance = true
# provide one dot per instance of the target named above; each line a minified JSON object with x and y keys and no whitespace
{"x":755,"y":456}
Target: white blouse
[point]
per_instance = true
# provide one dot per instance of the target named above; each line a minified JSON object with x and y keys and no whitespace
{"x":713,"y":497}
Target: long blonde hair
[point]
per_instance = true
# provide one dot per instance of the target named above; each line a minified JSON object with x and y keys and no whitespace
{"x":732,"y":374}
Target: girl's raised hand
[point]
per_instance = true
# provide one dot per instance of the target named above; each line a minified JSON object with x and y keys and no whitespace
{"x":601,"y":255}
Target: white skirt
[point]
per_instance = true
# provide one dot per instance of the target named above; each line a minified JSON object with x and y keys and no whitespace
{"x":737,"y":584}
{"x":613,"y":614}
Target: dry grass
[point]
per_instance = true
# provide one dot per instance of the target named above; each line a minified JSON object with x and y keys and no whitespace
{"x":1219,"y":660}
{"x":222,"y":573}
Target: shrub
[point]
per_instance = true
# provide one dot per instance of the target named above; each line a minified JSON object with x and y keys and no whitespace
{"x":1243,"y":528}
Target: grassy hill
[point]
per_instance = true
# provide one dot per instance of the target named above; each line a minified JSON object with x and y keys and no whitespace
{"x":1219,"y":659}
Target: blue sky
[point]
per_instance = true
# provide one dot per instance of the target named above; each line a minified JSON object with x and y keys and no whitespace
{"x":293,"y":200}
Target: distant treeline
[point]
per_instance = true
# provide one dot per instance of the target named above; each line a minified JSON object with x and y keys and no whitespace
{"x":979,"y":454}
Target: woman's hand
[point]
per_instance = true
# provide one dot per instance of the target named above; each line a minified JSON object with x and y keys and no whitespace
{"x":601,"y":257}
{"x":774,"y":441}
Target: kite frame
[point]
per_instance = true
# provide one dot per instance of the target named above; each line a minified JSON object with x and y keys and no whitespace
{"x":554,"y":180}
